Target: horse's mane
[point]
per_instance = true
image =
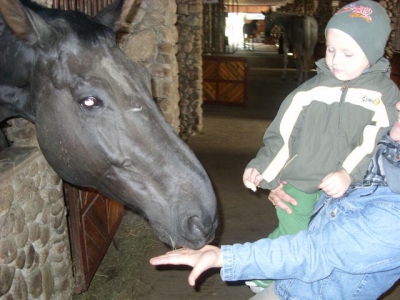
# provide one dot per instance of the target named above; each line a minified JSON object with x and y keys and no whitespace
{"x":85,"y":27}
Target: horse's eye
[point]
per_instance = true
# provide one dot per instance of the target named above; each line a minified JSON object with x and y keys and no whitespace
{"x":89,"y":102}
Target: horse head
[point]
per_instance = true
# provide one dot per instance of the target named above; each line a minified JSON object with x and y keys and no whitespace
{"x":269,"y":22}
{"x":96,"y":121}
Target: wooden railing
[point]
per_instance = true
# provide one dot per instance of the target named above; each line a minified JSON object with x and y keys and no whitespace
{"x":89,"y":7}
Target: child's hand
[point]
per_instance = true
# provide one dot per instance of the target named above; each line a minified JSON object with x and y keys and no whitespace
{"x":201,"y":260}
{"x":252,"y":178}
{"x":335,"y":184}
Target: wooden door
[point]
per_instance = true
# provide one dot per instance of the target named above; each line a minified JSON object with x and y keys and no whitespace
{"x":93,"y":220}
{"x":225,"y":80}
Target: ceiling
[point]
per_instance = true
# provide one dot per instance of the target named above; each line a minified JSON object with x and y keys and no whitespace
{"x":257,"y":2}
{"x":253,"y":6}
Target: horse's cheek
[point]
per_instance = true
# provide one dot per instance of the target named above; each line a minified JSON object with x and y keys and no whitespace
{"x":56,"y":134}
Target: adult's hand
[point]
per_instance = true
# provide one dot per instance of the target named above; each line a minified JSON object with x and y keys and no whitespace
{"x":201,"y":260}
{"x":279,"y":198}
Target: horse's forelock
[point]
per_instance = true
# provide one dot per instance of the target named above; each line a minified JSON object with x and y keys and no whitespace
{"x":92,"y":32}
{"x":86,"y":29}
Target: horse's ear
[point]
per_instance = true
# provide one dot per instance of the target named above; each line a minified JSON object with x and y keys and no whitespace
{"x":117,"y":14}
{"x":25,"y":24}
{"x":267,"y":10}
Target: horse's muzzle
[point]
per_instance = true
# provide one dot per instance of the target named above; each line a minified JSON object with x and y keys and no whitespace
{"x":198,"y":232}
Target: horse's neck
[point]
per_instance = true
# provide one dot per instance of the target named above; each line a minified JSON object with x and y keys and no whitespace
{"x":283,"y":20}
{"x":15,"y":101}
{"x":16,"y":61}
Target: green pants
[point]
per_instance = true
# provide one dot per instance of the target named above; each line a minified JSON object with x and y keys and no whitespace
{"x":302,"y":212}
{"x":295,"y":222}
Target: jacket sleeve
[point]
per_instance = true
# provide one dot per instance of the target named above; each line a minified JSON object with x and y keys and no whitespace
{"x":358,"y":160}
{"x":313,"y":255}
{"x":275,"y":144}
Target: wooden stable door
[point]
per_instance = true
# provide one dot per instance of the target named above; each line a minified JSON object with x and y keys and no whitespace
{"x":225,"y":80}
{"x":93,"y":220}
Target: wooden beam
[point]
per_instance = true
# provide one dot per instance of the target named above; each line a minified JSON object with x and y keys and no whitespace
{"x":247,"y":8}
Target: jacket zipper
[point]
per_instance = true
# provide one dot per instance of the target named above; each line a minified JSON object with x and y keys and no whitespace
{"x":344,"y":86}
{"x":342,"y":100}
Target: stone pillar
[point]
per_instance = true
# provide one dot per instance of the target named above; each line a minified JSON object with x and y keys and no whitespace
{"x":152,"y":42}
{"x":189,"y":25}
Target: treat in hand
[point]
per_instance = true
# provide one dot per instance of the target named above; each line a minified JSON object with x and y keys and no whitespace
{"x":251,"y":186}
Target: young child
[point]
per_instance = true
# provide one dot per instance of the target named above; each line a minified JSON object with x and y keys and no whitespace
{"x":326,"y":131}
{"x":351,"y":248}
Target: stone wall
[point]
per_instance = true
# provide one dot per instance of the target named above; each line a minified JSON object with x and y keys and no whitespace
{"x":35,"y":259}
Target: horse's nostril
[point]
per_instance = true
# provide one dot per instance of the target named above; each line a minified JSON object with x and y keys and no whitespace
{"x":195,"y":226}
{"x":197,"y":231}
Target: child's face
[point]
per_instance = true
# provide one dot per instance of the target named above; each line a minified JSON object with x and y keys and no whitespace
{"x":344,"y":57}
{"x":395,"y":131}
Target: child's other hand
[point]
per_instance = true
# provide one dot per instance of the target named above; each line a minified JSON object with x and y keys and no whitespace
{"x":253,"y":176}
{"x":335,"y":184}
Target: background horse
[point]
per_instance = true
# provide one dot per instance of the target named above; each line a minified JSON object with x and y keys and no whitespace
{"x":96,"y":121}
{"x":249,"y":32}
{"x":299,"y":31}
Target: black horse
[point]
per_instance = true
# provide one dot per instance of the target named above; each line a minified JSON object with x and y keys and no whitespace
{"x":300,"y":32}
{"x":249,"y":32}
{"x":96,"y":121}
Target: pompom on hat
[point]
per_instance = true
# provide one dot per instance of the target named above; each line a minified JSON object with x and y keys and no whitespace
{"x":367,"y":23}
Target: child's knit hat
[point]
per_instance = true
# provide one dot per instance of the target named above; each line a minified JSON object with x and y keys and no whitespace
{"x":367,"y":23}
